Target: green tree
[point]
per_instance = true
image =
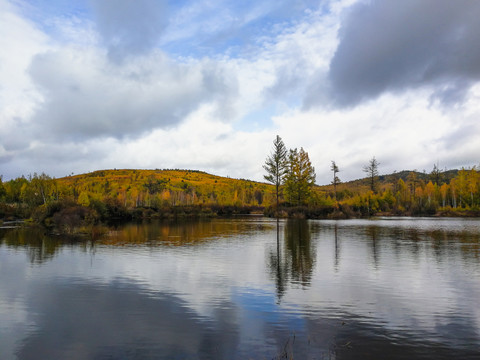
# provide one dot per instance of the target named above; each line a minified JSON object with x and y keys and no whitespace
{"x":402,"y":193}
{"x":3,"y":192}
{"x":336,"y":179}
{"x":38,"y":190}
{"x":44,"y":186}
{"x":276,"y":165}
{"x":436,"y":175}
{"x":372,"y":172}
{"x":300,"y":177}
{"x":14,"y":189}
{"x":412,"y":181}
{"x":154,"y":185}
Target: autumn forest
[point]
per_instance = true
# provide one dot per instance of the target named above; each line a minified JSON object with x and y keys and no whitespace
{"x":77,"y":203}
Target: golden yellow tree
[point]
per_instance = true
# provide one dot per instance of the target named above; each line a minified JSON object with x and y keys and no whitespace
{"x":300,"y":177}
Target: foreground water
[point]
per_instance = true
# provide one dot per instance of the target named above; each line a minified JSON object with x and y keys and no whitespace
{"x":245,"y":289}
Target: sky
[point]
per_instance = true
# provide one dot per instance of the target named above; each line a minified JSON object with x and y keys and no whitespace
{"x":208,"y":84}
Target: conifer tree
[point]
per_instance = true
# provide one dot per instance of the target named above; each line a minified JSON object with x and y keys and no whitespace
{"x":336,"y":179}
{"x":435,"y":175}
{"x":276,"y":165}
{"x":372,"y":172}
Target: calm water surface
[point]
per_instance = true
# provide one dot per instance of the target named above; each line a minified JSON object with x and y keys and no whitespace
{"x":245,"y":289}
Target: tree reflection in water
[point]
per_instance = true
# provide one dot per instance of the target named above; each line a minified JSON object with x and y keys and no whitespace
{"x":402,"y":289}
{"x":372,"y":233}
{"x":40,"y":246}
{"x":299,"y":251}
{"x":293,"y":260}
{"x":337,"y":249}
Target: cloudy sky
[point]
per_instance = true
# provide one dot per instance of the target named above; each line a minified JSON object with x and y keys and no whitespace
{"x":208,"y":84}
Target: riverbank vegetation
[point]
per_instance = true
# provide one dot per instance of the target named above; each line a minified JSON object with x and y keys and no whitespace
{"x":78,"y":203}
{"x":407,"y":193}
{"x":81,"y":203}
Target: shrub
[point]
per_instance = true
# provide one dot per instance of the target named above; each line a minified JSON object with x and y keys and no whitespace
{"x":70,"y":219}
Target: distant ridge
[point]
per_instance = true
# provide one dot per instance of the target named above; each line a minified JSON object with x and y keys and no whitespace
{"x":138,"y":187}
{"x":183,"y":174}
{"x":389,"y":179}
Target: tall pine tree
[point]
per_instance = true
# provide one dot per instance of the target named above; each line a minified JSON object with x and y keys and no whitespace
{"x":336,"y":179}
{"x":372,"y":172}
{"x":276,"y":165}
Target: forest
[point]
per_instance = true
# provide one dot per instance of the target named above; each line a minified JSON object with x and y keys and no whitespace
{"x":80,"y":203}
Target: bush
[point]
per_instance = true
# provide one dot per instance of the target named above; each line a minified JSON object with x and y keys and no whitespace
{"x":70,"y":219}
{"x":12,"y":211}
{"x":115,"y":210}
{"x":43,"y":214}
{"x":99,"y":207}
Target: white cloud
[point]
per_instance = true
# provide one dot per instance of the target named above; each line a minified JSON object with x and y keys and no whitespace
{"x":19,"y":41}
{"x":390,"y":46}
{"x":87,"y":96}
{"x":130,"y":28}
{"x":65,"y":106}
{"x":402,"y":132}
{"x":202,"y":142}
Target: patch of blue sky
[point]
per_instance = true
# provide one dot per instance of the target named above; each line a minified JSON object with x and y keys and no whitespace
{"x":262,"y":305}
{"x":195,"y":28}
{"x":229,"y":27}
{"x":43,"y":12}
{"x":258,"y":119}
{"x":262,"y":118}
{"x":62,"y":21}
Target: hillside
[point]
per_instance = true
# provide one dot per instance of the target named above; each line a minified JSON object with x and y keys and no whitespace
{"x":167,"y":187}
{"x":128,"y":193}
{"x":405,"y":192}
{"x":388,"y":181}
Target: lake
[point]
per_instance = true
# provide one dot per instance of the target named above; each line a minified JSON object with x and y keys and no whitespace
{"x":245,"y":288}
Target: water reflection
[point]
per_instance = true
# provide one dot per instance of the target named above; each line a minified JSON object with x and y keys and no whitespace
{"x":294,"y":260}
{"x":372,"y":235}
{"x":277,"y":266}
{"x":172,"y":233}
{"x":43,"y":247}
{"x":300,"y":254}
{"x":337,"y":248}
{"x":39,"y":246}
{"x":235,"y":289}
{"x":119,"y":320}
{"x":294,"y":256}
